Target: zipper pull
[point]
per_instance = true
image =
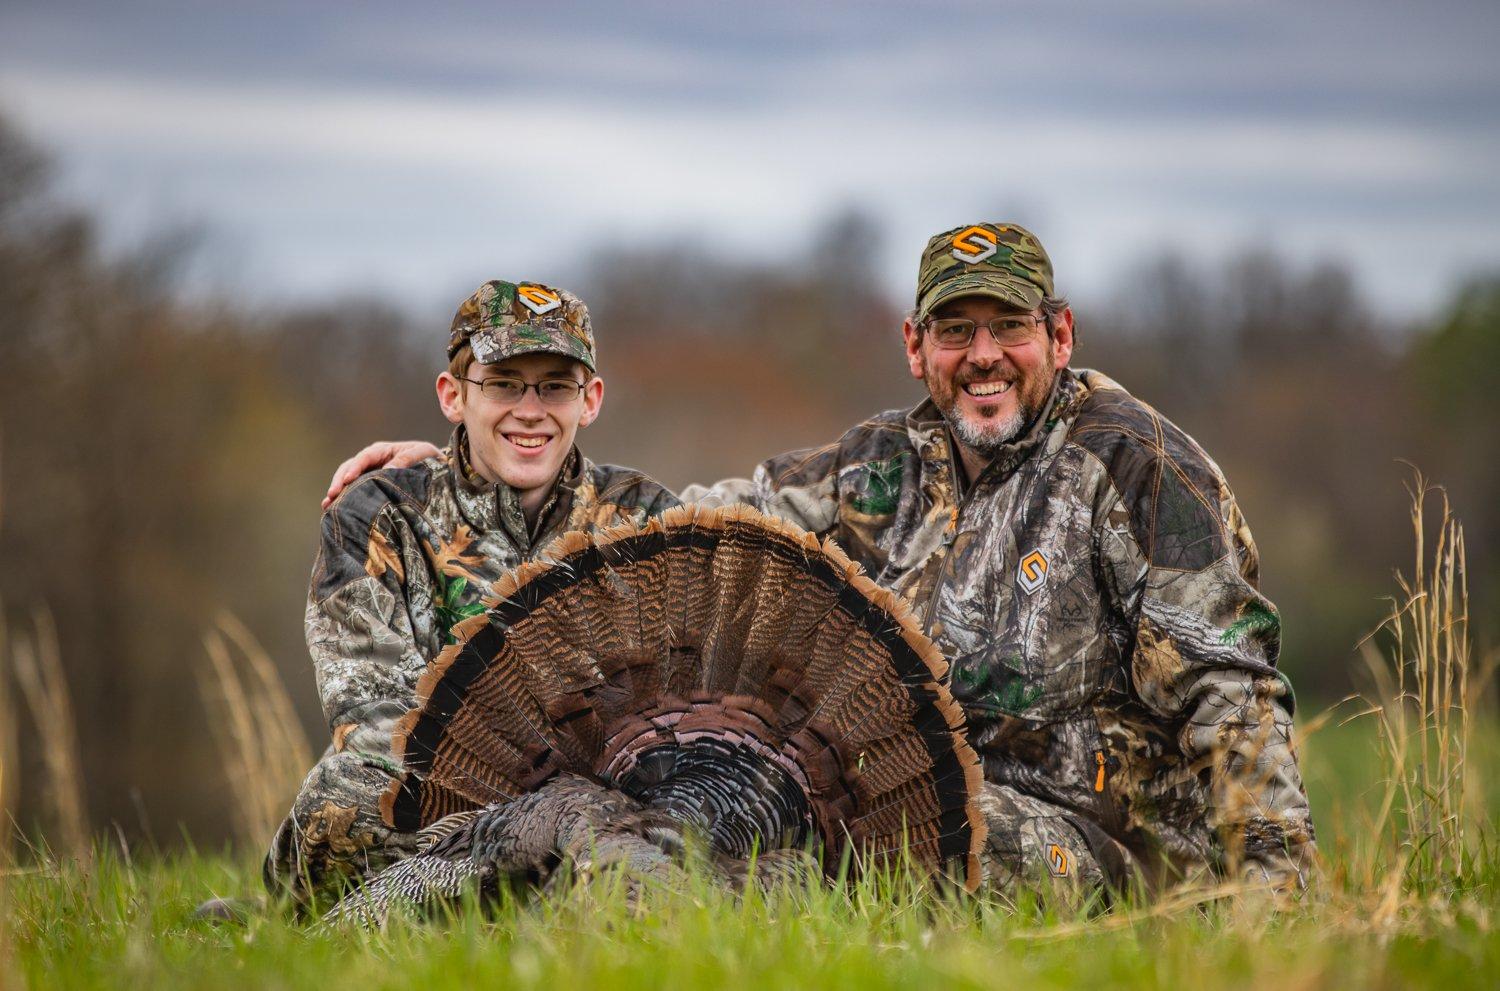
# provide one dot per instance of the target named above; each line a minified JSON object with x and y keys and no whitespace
{"x":1099,"y":780}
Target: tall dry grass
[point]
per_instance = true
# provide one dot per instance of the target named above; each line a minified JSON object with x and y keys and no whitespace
{"x":1430,"y":694}
{"x":8,"y":744}
{"x":7,"y":761}
{"x":264,"y":751}
{"x":7,"y":776}
{"x":37,"y":663}
{"x":7,"y":721}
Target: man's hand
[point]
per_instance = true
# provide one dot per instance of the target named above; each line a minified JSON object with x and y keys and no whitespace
{"x":381,"y":454}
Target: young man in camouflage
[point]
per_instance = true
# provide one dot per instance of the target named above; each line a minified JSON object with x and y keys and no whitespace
{"x":407,"y":552}
{"x":1085,"y":569}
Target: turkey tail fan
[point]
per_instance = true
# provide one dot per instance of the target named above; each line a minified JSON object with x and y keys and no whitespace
{"x":719,"y":664}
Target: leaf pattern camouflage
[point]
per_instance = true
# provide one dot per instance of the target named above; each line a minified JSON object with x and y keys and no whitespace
{"x":405,"y":554}
{"x":1096,"y":591}
{"x":505,"y":319}
{"x":1001,"y":260}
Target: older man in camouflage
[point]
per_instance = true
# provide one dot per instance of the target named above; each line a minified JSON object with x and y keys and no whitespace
{"x":1087,"y":572}
{"x":407,"y":552}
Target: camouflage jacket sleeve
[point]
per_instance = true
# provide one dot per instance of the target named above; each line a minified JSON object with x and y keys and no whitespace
{"x":360,"y":633}
{"x":367,"y":657}
{"x":801,"y":487}
{"x":1181,"y":570}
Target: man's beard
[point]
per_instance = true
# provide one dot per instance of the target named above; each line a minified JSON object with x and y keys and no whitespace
{"x":986,"y":436}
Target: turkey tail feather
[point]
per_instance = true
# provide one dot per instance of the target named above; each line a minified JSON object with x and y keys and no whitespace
{"x":720,"y":665}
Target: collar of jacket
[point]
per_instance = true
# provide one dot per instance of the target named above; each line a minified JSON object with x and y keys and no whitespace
{"x":929,"y":435}
{"x":490,"y":505}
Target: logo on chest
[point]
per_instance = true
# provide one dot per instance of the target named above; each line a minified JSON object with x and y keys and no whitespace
{"x":1032,"y":572}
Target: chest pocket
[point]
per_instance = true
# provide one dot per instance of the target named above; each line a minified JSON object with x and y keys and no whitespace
{"x":869,"y":495}
{"x":1055,"y":607}
{"x":971,"y":622}
{"x":1020,"y":627}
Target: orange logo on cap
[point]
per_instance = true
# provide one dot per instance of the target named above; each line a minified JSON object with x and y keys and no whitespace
{"x":538,"y":300}
{"x":974,"y":244}
{"x":1033,"y":571}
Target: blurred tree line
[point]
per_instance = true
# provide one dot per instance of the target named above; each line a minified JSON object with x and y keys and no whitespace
{"x":162,"y":457}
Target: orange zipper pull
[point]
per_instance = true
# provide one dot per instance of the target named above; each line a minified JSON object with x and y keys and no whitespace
{"x":1099,"y":781}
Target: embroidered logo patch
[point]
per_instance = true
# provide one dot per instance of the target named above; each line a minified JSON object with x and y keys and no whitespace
{"x":1033,"y":571}
{"x":1058,"y":861}
{"x":974,"y":244}
{"x":538,"y":300}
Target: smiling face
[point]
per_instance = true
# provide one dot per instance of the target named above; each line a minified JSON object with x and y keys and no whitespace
{"x":987,"y":393}
{"x":522,"y":444}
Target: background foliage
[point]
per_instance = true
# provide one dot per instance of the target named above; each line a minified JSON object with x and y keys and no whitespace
{"x":162,"y":456}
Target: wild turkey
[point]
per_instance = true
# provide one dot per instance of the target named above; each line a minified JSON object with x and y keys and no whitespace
{"x":715,"y":674}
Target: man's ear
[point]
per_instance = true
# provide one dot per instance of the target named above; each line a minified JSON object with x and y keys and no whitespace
{"x":450,"y":393}
{"x":1062,"y":338}
{"x":913,"y":338}
{"x":593,"y":401}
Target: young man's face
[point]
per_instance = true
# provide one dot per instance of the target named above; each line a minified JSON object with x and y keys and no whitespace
{"x":988,"y":392}
{"x":521,"y":443}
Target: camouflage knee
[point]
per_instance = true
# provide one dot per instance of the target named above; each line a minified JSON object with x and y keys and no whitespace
{"x":334,"y":834}
{"x":1035,"y":845}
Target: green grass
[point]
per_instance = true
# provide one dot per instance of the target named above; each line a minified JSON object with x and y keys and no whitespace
{"x":122,"y":924}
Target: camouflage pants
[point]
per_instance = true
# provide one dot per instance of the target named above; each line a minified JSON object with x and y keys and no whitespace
{"x":1034,"y":845}
{"x":334,"y":835}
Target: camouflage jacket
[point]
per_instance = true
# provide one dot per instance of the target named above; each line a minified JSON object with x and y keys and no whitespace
{"x":407,"y":553}
{"x":1095,"y":590}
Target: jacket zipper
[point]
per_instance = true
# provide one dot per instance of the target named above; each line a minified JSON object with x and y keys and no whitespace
{"x":1109,"y":812}
{"x":960,"y":494}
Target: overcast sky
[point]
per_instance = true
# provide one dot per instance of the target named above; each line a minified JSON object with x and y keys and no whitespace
{"x":413,"y":150}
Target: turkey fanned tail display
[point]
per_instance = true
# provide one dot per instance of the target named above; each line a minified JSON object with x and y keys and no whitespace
{"x":714,"y":675}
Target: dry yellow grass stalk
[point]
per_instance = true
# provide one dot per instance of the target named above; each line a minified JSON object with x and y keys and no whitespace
{"x":7,"y":767}
{"x":39,"y":673}
{"x":8,"y":742}
{"x":7,"y":785}
{"x":264,"y":751}
{"x":1428,"y":684}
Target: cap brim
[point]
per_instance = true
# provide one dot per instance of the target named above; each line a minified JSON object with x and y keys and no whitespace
{"x":1016,"y":292}
{"x":511,"y":347}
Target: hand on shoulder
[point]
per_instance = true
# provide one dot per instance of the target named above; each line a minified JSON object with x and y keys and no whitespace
{"x":381,"y":454}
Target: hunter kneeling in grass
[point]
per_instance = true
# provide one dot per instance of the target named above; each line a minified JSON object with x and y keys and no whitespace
{"x":1085,"y":569}
{"x":407,"y":552}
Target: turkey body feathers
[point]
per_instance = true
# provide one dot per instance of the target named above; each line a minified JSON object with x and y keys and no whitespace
{"x":789,"y":697}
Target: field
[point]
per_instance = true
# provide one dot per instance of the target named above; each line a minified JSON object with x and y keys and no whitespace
{"x":125,"y":922}
{"x":1408,"y":894}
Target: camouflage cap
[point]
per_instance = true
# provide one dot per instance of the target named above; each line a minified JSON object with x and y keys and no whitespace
{"x":1000,"y":260}
{"x":504,"y":319}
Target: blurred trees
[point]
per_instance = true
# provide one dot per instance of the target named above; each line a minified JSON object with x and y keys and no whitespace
{"x":158,"y":462}
{"x":1286,"y":380}
{"x":161,"y":459}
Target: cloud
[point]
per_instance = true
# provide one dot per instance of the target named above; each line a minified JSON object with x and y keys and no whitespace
{"x":391,"y":150}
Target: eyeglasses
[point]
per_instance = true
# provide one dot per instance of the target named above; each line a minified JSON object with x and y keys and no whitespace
{"x":553,"y":392}
{"x":1008,"y":331}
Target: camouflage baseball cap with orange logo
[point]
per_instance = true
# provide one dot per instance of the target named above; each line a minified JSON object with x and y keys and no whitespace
{"x":505,"y":319}
{"x":1000,"y":260}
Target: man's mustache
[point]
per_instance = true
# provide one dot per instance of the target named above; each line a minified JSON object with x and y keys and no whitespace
{"x":990,"y":375}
